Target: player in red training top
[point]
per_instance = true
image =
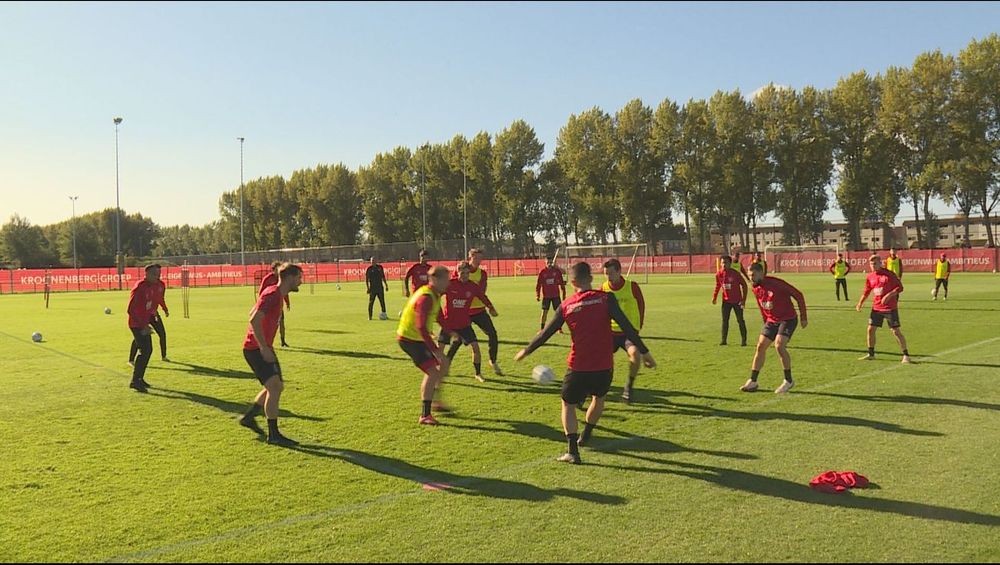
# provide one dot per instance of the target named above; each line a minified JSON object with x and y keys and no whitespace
{"x":550,"y":289}
{"x":270,"y":280}
{"x":142,"y":303}
{"x":455,"y":320}
{"x":886,"y":286}
{"x":417,"y":275}
{"x":591,"y":359}
{"x":734,"y":297}
{"x":774,"y":297}
{"x":258,"y":350}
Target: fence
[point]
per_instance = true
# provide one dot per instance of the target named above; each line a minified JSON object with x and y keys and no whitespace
{"x":63,"y":280}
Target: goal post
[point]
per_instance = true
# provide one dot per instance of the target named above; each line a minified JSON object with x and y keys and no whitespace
{"x":773,"y":253}
{"x":634,"y":257}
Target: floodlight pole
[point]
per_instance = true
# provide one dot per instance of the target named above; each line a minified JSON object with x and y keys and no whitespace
{"x":118,"y":213}
{"x":465,"y":211}
{"x":243,"y":257}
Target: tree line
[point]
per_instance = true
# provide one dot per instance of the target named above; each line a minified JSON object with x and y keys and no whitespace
{"x":879,"y":144}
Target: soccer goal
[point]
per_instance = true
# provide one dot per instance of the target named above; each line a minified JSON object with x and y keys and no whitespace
{"x":826,"y":253}
{"x":634,"y":257}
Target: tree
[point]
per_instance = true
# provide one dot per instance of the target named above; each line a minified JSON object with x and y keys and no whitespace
{"x":24,"y":244}
{"x":638,"y":173}
{"x":516,"y":156}
{"x":585,"y":152}
{"x":696,"y":171}
{"x":799,"y":145}
{"x":915,"y":110}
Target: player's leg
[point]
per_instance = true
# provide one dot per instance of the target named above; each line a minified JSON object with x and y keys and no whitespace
{"x":766,"y":338}
{"x":161,"y":332}
{"x":132,"y":352}
{"x":381,"y":302}
{"x":432,"y":380}
{"x":573,"y":393}
{"x":727,"y":309}
{"x":742,"y":323}
{"x":145,"y":342}
{"x":274,"y":386}
{"x":786,"y":329}
{"x":371,"y":303}
{"x":281,"y":329}
{"x":634,"y":362}
{"x":484,"y":321}
{"x":894,"y":326}
{"x":874,"y":322}
{"x":945,"y":283}
{"x":545,"y":313}
{"x":600,"y":384}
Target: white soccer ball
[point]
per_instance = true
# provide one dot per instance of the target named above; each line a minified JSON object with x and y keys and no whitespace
{"x":934,"y":292}
{"x":36,"y":337}
{"x":338,"y":286}
{"x":107,"y":310}
{"x":542,"y":375}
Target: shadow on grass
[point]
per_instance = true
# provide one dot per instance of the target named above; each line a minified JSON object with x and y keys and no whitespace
{"x":711,"y":412}
{"x":907,"y":399}
{"x":788,"y":490}
{"x":523,"y":344}
{"x":202,"y":370}
{"x":350,"y":354}
{"x":223,"y":405}
{"x":330,"y":332}
{"x":451,"y":483}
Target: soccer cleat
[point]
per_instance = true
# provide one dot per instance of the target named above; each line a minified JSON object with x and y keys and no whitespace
{"x":164,"y":359}
{"x":569,"y":458}
{"x":627,"y":396}
{"x":278,"y":439}
{"x":496,"y":368}
{"x":138,"y":386}
{"x":251,"y":424}
{"x":145,"y":384}
{"x":723,"y":343}
{"x":383,"y":316}
{"x":480,"y":378}
{"x":749,"y":386}
{"x":131,"y":364}
{"x":906,"y":360}
{"x":785,"y":387}
{"x":427,"y":421}
{"x":285,"y":344}
{"x":866,"y":357}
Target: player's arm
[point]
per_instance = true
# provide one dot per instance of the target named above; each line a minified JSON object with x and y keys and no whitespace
{"x":553,"y":326}
{"x":800,"y":299}
{"x":718,"y":285}
{"x":423,"y":311}
{"x":406,"y":281}
{"x":630,"y":332}
{"x":538,"y":285}
{"x":831,"y":267}
{"x":486,"y":300}
{"x":897,"y":288}
{"x":864,"y":294}
{"x":641,"y":302}
{"x":385,"y":279}
{"x":368,"y":280}
{"x":163,"y":299}
{"x":482,"y":281}
{"x":562,"y":284}
{"x":848,"y":265}
{"x":743,"y":293}
{"x":257,"y":325}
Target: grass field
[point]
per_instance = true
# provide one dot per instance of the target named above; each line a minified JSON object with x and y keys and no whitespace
{"x":693,"y":471}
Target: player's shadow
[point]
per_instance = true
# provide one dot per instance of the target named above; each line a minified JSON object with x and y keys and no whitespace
{"x":452,"y":483}
{"x":857,"y":350}
{"x":202,"y":370}
{"x":957,"y":364}
{"x":330,"y":332}
{"x":223,"y":405}
{"x":663,"y":338}
{"x":711,"y":412}
{"x":636,"y":446}
{"x":907,"y":399}
{"x":780,"y":488}
{"x":350,"y":354}
{"x":523,"y":344}
{"x":948,"y":308}
{"x":514,"y":427}
{"x":500,"y":384}
{"x":654,"y":397}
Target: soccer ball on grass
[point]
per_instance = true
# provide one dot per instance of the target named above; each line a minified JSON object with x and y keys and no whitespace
{"x":542,"y":375}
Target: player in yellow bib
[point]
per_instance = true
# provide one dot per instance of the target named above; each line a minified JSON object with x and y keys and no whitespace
{"x":942,"y":271}
{"x":839,"y":270}
{"x":894,"y":263}
{"x":630,"y":299}
{"x":415,"y":337}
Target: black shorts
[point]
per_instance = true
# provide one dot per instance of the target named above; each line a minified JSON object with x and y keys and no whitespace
{"x":553,"y":302}
{"x":262,"y":369}
{"x":467,"y":335}
{"x":772,"y":330}
{"x":418,"y":352}
{"x":578,"y":385}
{"x":875,"y":318}
{"x":621,"y":342}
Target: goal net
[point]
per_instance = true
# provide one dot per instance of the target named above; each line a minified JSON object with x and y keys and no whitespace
{"x":800,"y":258}
{"x":634,"y":258}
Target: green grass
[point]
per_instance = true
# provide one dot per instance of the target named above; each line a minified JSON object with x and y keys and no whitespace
{"x":693,"y":471}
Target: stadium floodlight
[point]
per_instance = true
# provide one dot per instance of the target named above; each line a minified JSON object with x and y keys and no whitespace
{"x":118,"y":213}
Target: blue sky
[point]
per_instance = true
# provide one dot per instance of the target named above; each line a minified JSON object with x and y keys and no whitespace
{"x":310,"y":83}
